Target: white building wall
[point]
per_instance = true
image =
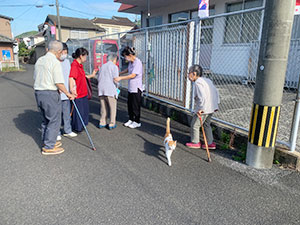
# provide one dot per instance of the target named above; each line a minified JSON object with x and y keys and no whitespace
{"x":224,"y":57}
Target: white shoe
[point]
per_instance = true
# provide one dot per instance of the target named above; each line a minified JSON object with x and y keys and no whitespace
{"x":128,"y":123}
{"x":134,"y":125}
{"x":58,"y":138}
{"x":72,"y":134}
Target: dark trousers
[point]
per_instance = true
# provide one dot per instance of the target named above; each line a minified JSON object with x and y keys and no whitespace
{"x":49,"y":104}
{"x":134,"y":106}
{"x":83,"y":107}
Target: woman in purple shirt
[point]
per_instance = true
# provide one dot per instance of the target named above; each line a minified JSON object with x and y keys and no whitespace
{"x":135,"y":87}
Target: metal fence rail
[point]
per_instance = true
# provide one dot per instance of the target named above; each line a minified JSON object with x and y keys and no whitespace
{"x":226,"y":46}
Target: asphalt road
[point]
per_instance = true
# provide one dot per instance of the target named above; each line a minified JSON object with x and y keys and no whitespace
{"x":127,"y":180}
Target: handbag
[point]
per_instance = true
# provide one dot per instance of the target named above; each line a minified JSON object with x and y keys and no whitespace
{"x":89,"y":88}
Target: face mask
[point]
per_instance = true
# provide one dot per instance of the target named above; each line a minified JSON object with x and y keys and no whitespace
{"x":63,"y":57}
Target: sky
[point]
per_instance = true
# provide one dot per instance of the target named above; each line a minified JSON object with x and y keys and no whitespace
{"x":28,"y":17}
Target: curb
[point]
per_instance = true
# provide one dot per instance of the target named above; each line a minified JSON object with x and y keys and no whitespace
{"x":237,"y":138}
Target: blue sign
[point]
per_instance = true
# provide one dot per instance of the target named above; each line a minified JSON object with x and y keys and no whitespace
{"x":203,"y":8}
{"x":6,"y":55}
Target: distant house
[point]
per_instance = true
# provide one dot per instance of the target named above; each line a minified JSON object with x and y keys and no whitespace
{"x":6,"y":42}
{"x":114,"y":25}
{"x":74,"y":28}
{"x":36,"y":39}
{"x":39,"y":50}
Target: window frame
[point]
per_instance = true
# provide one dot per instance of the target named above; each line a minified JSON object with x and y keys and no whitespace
{"x":154,"y":18}
{"x":79,"y":34}
{"x":241,"y":25}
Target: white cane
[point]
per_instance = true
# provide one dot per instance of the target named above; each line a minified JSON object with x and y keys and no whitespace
{"x":93,"y":146}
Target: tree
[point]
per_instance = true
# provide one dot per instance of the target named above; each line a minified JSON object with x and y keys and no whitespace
{"x":23,"y":51}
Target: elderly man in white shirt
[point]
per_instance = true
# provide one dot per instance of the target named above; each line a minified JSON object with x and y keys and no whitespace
{"x":48,"y":83}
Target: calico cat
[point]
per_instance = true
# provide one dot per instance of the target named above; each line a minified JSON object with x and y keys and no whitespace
{"x":170,"y":145}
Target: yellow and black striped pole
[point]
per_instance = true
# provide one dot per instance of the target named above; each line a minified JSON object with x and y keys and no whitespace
{"x":264,"y":125}
{"x":274,"y":48}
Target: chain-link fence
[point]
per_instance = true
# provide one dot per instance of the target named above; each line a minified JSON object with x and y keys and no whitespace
{"x":226,"y":46}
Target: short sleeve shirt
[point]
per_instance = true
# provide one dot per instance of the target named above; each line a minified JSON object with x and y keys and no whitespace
{"x":47,"y":73}
{"x":106,"y":85}
{"x":136,"y":83}
{"x":78,"y":74}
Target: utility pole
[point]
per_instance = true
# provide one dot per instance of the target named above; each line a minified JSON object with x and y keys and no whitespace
{"x":272,"y":64}
{"x":58,"y":20}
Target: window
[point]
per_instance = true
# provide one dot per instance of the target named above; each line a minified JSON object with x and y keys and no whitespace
{"x":78,"y":34}
{"x":154,"y":21}
{"x":244,"y":27}
{"x":107,"y":48}
{"x":296,"y":27}
{"x":115,"y":30}
{"x":180,"y":16}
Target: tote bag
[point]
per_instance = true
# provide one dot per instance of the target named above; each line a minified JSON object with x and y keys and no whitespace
{"x":89,"y":88}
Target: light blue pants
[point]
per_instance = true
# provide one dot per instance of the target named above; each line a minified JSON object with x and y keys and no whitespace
{"x":49,"y":104}
{"x":66,"y":117}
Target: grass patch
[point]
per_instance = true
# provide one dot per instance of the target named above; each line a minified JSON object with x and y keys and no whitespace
{"x":241,"y":154}
{"x":12,"y":69}
{"x":174,"y":116}
{"x":276,"y":162}
{"x":225,"y":138}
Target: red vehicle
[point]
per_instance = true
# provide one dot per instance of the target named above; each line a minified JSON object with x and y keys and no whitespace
{"x":106,"y":47}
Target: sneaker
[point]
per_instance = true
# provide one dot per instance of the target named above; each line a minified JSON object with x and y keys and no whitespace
{"x":212,"y":146}
{"x":58,"y":138}
{"x":193,"y":145}
{"x":128,"y":123}
{"x":72,"y":134}
{"x":53,"y":151}
{"x":134,"y":125}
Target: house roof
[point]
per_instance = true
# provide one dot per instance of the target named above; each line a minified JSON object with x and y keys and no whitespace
{"x":40,"y":44}
{"x":4,"y":39}
{"x":125,"y":7}
{"x":40,"y":34}
{"x":76,"y":23}
{"x":6,"y":17}
{"x":138,"y":6}
{"x":121,"y":21}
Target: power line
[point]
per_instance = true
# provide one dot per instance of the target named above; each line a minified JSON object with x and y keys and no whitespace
{"x":85,"y":13}
{"x":26,"y":11}
{"x":88,"y":5}
{"x":27,"y":5}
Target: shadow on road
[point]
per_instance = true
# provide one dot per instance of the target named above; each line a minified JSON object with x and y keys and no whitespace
{"x":29,"y":123}
{"x":155,"y":125}
{"x":153,"y":149}
{"x":15,"y":81}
